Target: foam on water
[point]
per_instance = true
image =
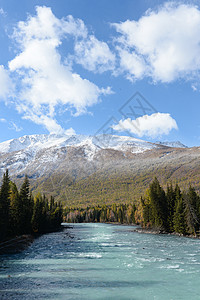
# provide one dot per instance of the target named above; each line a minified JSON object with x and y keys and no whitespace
{"x":101,"y":261}
{"x":90,"y":255}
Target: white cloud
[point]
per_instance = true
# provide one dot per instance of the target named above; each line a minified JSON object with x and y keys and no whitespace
{"x":132,"y":63}
{"x":46,"y":26}
{"x":70,"y":131}
{"x":163,"y":44}
{"x":152,"y":126}
{"x":47,"y":81}
{"x":2,"y":120}
{"x":49,"y":122}
{"x":94,"y":55}
{"x":44,"y":81}
{"x":41,"y":119}
{"x":6,"y":86}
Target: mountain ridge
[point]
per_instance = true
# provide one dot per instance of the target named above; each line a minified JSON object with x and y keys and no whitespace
{"x":81,"y":169}
{"x":48,"y":140}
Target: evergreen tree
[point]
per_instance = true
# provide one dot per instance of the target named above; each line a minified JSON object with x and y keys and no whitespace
{"x":158,"y":202}
{"x":37,"y":217}
{"x":179,"y":217}
{"x":190,"y":201}
{"x":52,"y":203}
{"x":171,"y":199}
{"x":15,"y":210}
{"x":4,"y":206}
{"x":57,"y":217}
{"x":146,"y":213}
{"x":26,"y":206}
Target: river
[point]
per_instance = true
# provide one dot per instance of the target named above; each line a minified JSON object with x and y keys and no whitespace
{"x":102,"y":261}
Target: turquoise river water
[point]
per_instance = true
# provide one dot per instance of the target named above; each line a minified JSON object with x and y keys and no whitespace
{"x":102,"y":261}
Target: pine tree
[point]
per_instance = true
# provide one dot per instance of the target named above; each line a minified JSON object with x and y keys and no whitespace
{"x":190,"y":202}
{"x":4,"y":206}
{"x":26,"y":206}
{"x":179,"y":217}
{"x":52,"y":203}
{"x":37,"y":215}
{"x":158,"y":203}
{"x":145,"y":204}
{"x":15,"y":210}
{"x":58,"y":216}
{"x":40,"y":220}
{"x":171,"y":199}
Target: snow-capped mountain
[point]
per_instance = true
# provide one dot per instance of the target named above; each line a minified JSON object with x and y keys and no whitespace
{"x":39,"y":154}
{"x":44,"y":141}
{"x":175,"y":144}
{"x":44,"y":150}
{"x":70,"y":166}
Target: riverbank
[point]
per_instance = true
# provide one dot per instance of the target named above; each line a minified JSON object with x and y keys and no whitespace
{"x":16,"y":244}
{"x":19,"y":243}
{"x":157,"y":231}
{"x":140,"y":229}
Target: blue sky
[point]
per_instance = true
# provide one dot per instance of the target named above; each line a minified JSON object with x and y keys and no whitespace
{"x":70,"y":66}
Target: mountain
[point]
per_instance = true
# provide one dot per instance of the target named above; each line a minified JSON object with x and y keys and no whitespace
{"x":176,"y":144}
{"x":81,"y":170}
{"x":43,"y":152}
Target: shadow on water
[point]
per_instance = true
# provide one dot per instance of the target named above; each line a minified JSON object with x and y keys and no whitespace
{"x":12,"y":290}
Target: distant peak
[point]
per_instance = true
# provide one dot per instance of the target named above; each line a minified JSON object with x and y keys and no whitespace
{"x":175,"y":144}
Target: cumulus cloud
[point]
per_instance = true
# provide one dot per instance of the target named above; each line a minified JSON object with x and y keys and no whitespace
{"x":155,"y":125}
{"x":163,"y":44}
{"x":94,"y":55}
{"x":44,"y":81}
{"x":45,"y":25}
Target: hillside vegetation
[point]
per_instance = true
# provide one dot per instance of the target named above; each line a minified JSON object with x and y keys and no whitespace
{"x":21,"y":213}
{"x":87,"y":170}
{"x":119,"y":184}
{"x":165,"y":211}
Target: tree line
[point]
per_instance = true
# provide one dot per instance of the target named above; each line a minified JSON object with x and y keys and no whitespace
{"x":167,"y":211}
{"x":21,"y":213}
{"x":171,"y":210}
{"x":123,"y":213}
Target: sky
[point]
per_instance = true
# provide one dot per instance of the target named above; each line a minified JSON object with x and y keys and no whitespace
{"x":90,"y":67}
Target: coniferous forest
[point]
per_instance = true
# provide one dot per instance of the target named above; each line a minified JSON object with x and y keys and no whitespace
{"x":21,"y":213}
{"x":170,"y":211}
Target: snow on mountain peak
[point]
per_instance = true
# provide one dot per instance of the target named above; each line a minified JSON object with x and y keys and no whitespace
{"x":90,"y":143}
{"x":38,"y":153}
{"x":37,"y":141}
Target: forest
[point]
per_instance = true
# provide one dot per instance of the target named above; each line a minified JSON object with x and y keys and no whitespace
{"x":21,"y":213}
{"x":167,"y":211}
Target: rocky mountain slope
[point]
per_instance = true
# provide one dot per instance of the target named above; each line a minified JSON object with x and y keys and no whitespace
{"x":38,"y":154}
{"x":96,"y":169}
